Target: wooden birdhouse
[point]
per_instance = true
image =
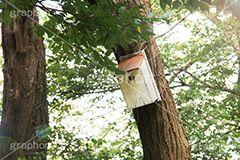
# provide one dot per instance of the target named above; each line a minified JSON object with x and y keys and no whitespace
{"x":137,"y":85}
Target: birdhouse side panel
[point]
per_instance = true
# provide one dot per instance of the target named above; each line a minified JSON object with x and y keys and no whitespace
{"x":149,"y":81}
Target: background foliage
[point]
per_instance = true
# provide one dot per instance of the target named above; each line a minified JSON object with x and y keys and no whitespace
{"x":204,"y":77}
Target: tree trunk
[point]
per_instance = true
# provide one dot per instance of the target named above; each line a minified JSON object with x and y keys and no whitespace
{"x":160,"y":128}
{"x":24,"y":112}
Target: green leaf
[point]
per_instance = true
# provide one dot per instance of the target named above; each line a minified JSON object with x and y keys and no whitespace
{"x":108,"y":53}
{"x":98,"y":59}
{"x":189,"y":7}
{"x":124,"y":12}
{"x":194,"y":4}
{"x":77,"y":59}
{"x":39,"y":30}
{"x":168,"y":2}
{"x":66,"y":47}
{"x":70,"y":34}
{"x":108,"y":62}
{"x":7,"y":17}
{"x":53,"y":20}
{"x":13,"y":1}
{"x":134,"y":10}
{"x":176,"y":4}
{"x":178,"y":16}
{"x":118,"y":71}
{"x":56,"y":49}
{"x":146,"y":38}
{"x":2,"y":5}
{"x":163,"y":5}
{"x":99,"y":35}
{"x":26,"y":4}
{"x":204,"y":6}
{"x":1,"y":17}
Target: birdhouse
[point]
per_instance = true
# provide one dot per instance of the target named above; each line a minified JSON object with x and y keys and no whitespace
{"x":137,"y":85}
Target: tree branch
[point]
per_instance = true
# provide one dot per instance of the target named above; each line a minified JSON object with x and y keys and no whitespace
{"x":93,"y":92}
{"x":205,"y":85}
{"x":179,"y":71}
{"x":235,"y":129}
{"x":182,"y":19}
{"x":230,"y":124}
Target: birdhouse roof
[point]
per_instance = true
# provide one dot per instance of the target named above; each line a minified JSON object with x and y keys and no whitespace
{"x":132,"y":63}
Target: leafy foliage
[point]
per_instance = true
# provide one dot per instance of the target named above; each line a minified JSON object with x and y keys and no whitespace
{"x":102,"y":137}
{"x":79,"y":28}
{"x":190,"y":5}
{"x":206,"y":68}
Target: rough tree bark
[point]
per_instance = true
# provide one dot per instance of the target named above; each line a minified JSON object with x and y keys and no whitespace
{"x":160,"y":128}
{"x":24,"y":110}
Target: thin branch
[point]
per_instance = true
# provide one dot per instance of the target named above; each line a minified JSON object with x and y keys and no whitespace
{"x":49,"y":8}
{"x":182,"y":19}
{"x":181,"y":85}
{"x":205,"y":85}
{"x":179,"y":71}
{"x":230,"y":124}
{"x":235,"y":129}
{"x":87,"y":93}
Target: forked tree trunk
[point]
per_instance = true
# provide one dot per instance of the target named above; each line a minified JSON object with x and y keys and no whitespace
{"x":160,"y":128}
{"x":24,"y":112}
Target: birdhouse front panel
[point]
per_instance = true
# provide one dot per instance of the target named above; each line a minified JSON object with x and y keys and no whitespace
{"x":137,"y":85}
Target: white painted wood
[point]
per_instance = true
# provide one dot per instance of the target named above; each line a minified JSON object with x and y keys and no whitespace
{"x":150,"y":81}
